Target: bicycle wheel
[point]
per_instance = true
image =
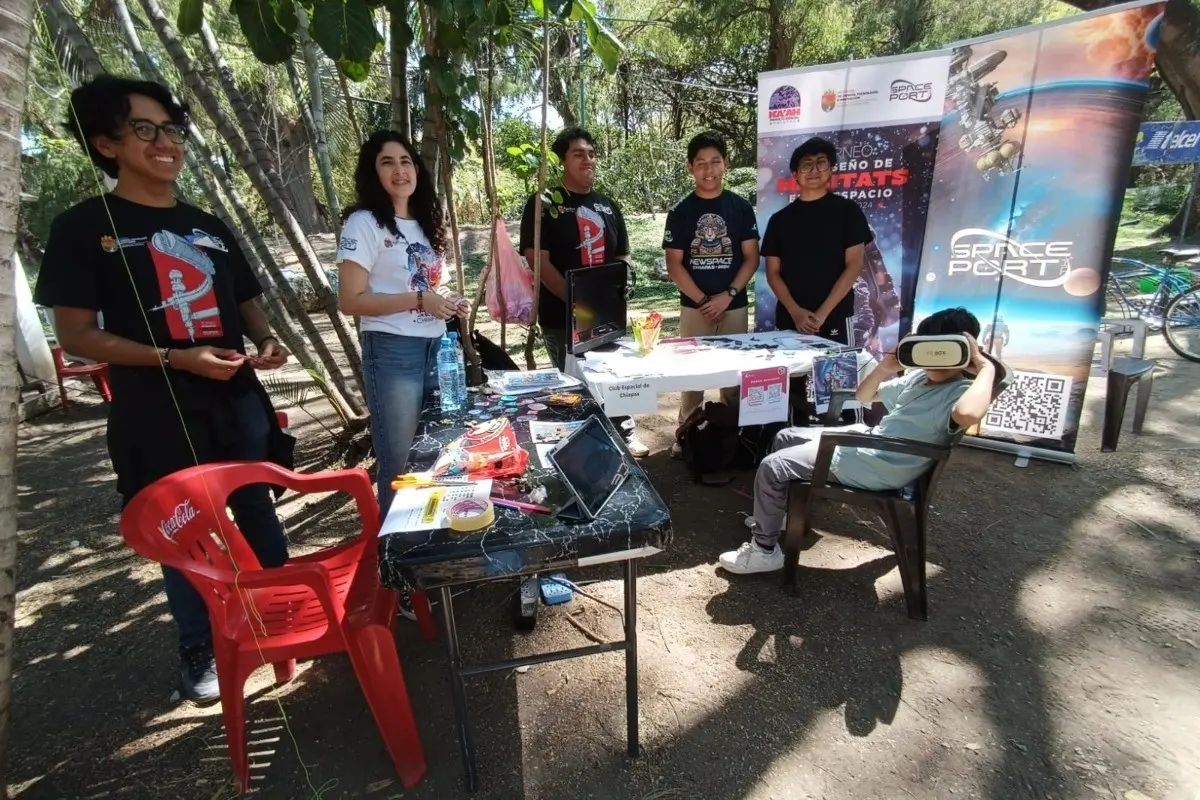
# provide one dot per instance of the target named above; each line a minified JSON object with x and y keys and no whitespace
{"x":1181,"y":328}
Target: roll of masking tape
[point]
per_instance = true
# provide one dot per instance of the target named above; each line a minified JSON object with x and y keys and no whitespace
{"x":467,"y":516}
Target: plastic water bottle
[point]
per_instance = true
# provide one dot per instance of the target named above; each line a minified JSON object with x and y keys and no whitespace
{"x":452,"y":379}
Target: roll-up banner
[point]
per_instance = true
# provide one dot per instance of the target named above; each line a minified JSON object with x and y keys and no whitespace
{"x":992,"y":174}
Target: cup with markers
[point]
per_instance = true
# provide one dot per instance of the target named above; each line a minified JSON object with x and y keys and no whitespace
{"x":646,"y":331}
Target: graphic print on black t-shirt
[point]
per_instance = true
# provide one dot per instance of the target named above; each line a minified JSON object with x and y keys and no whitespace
{"x":710,"y":232}
{"x":591,"y":237}
{"x":185,"y":276}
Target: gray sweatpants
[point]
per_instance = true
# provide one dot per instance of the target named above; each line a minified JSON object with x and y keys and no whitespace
{"x":793,"y":458}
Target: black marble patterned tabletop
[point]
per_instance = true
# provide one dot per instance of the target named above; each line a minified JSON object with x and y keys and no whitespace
{"x":521,"y":542}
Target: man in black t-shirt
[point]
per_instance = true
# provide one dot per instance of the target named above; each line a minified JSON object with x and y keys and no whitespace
{"x":814,"y":250}
{"x":178,"y":299}
{"x":711,"y":244}
{"x":585,"y":230}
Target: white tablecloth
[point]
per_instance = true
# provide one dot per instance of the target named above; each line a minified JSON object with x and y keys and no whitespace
{"x":628,"y":382}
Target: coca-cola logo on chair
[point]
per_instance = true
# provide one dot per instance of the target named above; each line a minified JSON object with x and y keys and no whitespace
{"x":171,"y":526}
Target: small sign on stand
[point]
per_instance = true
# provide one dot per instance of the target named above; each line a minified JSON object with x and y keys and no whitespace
{"x":764,"y":396}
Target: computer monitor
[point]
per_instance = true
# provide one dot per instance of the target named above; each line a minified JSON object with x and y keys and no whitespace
{"x":597,"y":305}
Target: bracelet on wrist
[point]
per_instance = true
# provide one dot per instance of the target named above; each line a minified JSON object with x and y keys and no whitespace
{"x":264,"y":340}
{"x":420,"y":300}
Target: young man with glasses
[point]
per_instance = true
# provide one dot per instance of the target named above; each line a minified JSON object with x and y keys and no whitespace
{"x":178,"y":300}
{"x":711,"y":244}
{"x":814,"y":249}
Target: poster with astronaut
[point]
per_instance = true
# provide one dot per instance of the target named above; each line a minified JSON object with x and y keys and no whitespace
{"x":1036,"y":141}
{"x":883,"y":116}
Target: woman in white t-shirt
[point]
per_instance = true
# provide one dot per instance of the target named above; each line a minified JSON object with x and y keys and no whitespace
{"x":393,"y":277}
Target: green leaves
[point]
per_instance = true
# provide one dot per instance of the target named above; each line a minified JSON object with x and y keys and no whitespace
{"x":269,"y":27}
{"x":602,"y":40}
{"x":191,"y":17}
{"x":345,"y":32}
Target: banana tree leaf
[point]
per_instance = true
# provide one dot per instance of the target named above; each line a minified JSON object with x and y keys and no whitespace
{"x":269,"y":27}
{"x":191,"y":17}
{"x":606,"y":45}
{"x":344,"y":30}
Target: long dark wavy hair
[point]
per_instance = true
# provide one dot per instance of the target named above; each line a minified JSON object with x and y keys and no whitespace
{"x":424,"y":205}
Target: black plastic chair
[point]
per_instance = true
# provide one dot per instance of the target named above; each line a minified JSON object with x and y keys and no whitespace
{"x":905,"y":511}
{"x":1122,"y":375}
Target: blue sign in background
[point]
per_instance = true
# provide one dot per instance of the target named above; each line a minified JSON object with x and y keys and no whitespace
{"x":1167,"y":143}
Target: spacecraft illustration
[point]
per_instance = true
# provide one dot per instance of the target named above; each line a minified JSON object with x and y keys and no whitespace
{"x":975,"y":102}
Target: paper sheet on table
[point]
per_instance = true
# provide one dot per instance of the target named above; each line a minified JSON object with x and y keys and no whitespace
{"x":546,"y":432}
{"x":428,"y":509}
{"x":543,"y":454}
{"x":496,"y":385}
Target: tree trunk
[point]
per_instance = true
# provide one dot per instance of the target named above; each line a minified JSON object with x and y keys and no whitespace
{"x":258,"y":173}
{"x":351,"y":114}
{"x":16,"y":30}
{"x":560,"y":89}
{"x":400,"y":36}
{"x":433,"y":123}
{"x":541,"y":189}
{"x":474,"y":368}
{"x":305,"y":206}
{"x":489,"y":185}
{"x":782,"y":41}
{"x":316,"y":102}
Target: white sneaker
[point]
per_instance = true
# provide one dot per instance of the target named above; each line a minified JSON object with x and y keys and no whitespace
{"x":677,"y":451}
{"x":636,"y":448}
{"x":750,"y":559}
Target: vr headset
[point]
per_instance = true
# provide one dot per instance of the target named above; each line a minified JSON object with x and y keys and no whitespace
{"x":934,"y":352}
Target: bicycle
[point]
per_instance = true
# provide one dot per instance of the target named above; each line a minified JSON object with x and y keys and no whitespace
{"x":1166,"y":297}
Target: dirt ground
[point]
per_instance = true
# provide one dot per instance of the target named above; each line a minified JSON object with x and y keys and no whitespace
{"x":1059,"y":661}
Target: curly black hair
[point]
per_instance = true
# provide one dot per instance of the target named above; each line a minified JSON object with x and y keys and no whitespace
{"x":424,"y":205}
{"x":100,"y":107}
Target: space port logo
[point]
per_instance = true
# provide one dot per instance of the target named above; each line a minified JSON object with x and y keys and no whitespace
{"x":907,"y":90}
{"x":987,"y":254}
{"x":784,"y":105}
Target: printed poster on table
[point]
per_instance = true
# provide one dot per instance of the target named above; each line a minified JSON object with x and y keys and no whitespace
{"x":883,"y":116}
{"x":1036,"y":141}
{"x":763,"y":396}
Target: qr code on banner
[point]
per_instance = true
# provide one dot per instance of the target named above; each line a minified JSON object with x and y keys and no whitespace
{"x":756,"y":396}
{"x":1034,"y":404}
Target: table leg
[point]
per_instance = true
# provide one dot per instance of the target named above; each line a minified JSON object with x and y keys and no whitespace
{"x":466,"y":742}
{"x":631,"y":658}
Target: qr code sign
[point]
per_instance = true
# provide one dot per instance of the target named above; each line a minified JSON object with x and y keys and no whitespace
{"x":756,"y":396}
{"x":1034,"y":404}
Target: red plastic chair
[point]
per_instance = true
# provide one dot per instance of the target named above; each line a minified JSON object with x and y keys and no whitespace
{"x":326,"y":602}
{"x":97,"y":372}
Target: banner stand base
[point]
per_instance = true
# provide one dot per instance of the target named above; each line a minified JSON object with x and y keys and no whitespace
{"x":1023,"y":452}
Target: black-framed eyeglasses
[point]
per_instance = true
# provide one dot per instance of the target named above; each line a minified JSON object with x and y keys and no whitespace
{"x":815,"y":166}
{"x":147,"y":131}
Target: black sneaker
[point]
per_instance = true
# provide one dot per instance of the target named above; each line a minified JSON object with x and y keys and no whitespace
{"x":406,"y":606}
{"x":198,"y":674}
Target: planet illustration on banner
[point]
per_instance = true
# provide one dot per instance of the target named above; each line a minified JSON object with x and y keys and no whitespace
{"x":1082,"y":282}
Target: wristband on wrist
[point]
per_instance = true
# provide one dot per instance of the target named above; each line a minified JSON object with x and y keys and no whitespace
{"x":420,"y":300}
{"x":164,"y":355}
{"x":703,"y":300}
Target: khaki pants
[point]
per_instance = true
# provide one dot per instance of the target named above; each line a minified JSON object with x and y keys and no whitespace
{"x":693,"y":323}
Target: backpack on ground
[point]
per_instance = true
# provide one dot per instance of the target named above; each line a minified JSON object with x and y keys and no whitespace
{"x":709,"y":440}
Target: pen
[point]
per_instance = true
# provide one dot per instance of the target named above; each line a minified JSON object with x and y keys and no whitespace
{"x":521,"y":506}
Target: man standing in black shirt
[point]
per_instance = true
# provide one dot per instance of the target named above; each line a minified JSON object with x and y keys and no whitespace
{"x":178,"y":298}
{"x":585,"y":230}
{"x":711,"y":244}
{"x":814,"y":250}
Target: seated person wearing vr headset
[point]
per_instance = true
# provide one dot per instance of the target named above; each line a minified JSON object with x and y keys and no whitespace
{"x":924,"y":405}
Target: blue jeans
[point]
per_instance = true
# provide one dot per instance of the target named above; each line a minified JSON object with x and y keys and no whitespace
{"x":253,"y":511}
{"x":400,"y":373}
